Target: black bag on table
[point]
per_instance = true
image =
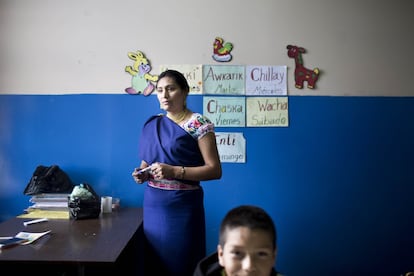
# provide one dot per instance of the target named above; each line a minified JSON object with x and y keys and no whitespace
{"x":49,"y":179}
{"x":84,"y":208}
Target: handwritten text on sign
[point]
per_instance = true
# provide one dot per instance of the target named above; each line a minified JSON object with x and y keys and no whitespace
{"x":192,"y":73}
{"x":231,"y":147}
{"x":267,"y":111}
{"x":225,"y":111}
{"x":223,"y":79}
{"x":266,"y":80}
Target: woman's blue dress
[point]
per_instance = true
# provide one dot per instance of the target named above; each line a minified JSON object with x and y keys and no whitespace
{"x":174,"y":220}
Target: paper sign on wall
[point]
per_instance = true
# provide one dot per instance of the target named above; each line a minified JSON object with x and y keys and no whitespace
{"x":193,"y":74}
{"x":267,"y":111}
{"x":266,"y":80}
{"x":231,"y":147}
{"x":225,"y":111}
{"x":223,"y":79}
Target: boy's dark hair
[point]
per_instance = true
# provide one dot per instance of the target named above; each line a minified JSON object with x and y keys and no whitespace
{"x":178,"y":77}
{"x":249,"y":216}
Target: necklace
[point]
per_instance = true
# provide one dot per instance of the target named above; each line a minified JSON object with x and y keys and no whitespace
{"x":178,"y":118}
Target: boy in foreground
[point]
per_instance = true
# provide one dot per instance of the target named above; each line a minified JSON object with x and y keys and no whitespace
{"x":247,"y":245}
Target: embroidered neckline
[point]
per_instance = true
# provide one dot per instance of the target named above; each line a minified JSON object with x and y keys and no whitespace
{"x":180,"y":117}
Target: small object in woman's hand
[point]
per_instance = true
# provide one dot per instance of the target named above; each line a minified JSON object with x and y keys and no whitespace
{"x":144,"y":169}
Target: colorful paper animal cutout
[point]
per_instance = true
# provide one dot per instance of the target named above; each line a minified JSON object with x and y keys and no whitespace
{"x":141,"y":78}
{"x":302,"y":74}
{"x":222,"y":50}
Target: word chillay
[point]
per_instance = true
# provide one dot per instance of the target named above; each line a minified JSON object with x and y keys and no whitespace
{"x":258,"y":74}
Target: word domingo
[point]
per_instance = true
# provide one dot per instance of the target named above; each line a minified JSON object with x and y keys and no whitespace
{"x":231,"y":158}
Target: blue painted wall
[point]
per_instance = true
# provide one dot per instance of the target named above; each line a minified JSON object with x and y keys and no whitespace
{"x":339,"y":181}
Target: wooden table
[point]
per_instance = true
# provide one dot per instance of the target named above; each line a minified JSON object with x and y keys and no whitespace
{"x":88,"y":245}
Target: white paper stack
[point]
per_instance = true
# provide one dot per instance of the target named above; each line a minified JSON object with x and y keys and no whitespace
{"x":49,"y":201}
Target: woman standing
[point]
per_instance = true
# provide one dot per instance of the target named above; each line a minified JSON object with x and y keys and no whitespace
{"x":179,"y":150}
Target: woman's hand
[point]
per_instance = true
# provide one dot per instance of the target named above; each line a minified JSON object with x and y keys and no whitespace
{"x":159,"y":170}
{"x":164,"y":171}
{"x":140,"y":177}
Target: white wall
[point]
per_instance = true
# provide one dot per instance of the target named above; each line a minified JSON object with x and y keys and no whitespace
{"x":363,"y":47}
